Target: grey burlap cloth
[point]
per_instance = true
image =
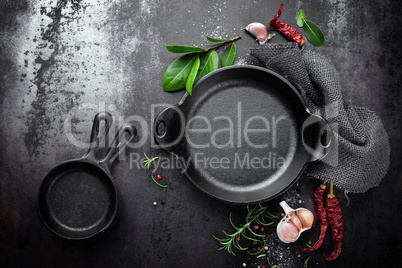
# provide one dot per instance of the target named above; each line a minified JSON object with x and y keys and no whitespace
{"x":360,"y":158}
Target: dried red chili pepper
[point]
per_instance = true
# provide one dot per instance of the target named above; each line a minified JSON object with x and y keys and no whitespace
{"x":321,"y":215}
{"x":334,"y":215}
{"x":287,"y":30}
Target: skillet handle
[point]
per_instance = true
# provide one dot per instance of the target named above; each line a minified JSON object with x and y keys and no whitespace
{"x":317,"y":137}
{"x":94,"y":141}
{"x":168,"y":128}
{"x":118,"y":145}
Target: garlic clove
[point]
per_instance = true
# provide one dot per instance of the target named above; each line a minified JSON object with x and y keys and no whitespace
{"x":306,"y":218}
{"x":294,"y":218}
{"x":259,"y":31}
{"x":287,"y":232}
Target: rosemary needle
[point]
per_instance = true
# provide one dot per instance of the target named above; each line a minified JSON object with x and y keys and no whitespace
{"x":148,"y":160}
{"x":160,"y":185}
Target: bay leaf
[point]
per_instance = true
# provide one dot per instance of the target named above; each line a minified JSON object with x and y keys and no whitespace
{"x":313,"y":33}
{"x":208,"y":63}
{"x":228,"y":55}
{"x":300,"y":17}
{"x":184,"y":49}
{"x":176,"y":74}
{"x":192,"y":75}
{"x":217,"y":40}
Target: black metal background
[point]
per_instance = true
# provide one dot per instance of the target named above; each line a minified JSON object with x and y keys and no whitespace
{"x":56,"y":56}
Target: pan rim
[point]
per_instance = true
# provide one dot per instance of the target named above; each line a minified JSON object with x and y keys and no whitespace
{"x":247,"y":66}
{"x":114,"y":192}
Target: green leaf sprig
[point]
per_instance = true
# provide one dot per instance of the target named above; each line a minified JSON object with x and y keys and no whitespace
{"x":257,"y":214}
{"x":189,"y":68}
{"x":148,"y":160}
{"x":311,"y":30}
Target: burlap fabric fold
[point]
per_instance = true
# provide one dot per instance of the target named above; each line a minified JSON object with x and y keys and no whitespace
{"x":361,"y":156}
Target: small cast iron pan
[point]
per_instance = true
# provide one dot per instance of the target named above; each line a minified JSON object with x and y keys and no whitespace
{"x":78,"y":199}
{"x":244,"y":135}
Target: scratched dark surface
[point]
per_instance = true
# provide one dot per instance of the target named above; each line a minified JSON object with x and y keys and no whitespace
{"x":61,"y":57}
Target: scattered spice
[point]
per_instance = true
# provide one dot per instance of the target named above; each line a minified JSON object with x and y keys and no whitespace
{"x":158,"y":177}
{"x":157,"y":183}
{"x":291,"y":33}
{"x":334,"y":214}
{"x":321,"y":215}
{"x":163,"y":201}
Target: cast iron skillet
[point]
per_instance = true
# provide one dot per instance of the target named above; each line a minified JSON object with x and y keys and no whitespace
{"x":78,"y":199}
{"x":244,"y":135}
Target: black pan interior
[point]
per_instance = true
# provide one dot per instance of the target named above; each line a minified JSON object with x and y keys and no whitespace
{"x":228,"y":99}
{"x":77,"y":200}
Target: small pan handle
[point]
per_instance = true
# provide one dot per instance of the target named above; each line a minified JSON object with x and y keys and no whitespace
{"x":317,"y":136}
{"x":117,"y":145}
{"x":94,"y":141}
{"x":168,"y":127}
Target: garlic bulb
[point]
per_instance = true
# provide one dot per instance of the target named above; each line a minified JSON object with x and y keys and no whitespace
{"x":259,"y":31}
{"x":293,"y":223}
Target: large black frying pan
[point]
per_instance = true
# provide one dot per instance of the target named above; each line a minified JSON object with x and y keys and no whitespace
{"x":244,"y":135}
{"x":78,"y":199}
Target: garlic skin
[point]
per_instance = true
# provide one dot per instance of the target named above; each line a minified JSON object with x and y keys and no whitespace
{"x":259,"y":31}
{"x":293,"y":223}
{"x":306,"y":217}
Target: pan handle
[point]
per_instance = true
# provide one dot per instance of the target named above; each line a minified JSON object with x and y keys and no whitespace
{"x":94,"y":141}
{"x":117,"y":145}
{"x":317,"y":137}
{"x":168,"y":127}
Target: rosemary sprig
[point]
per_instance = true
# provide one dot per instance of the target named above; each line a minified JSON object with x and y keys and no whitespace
{"x":265,"y":255}
{"x":305,"y":263}
{"x":148,"y":161}
{"x":258,"y":252}
{"x":157,"y":183}
{"x":258,"y":214}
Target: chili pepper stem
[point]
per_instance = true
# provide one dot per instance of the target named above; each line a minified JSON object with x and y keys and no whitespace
{"x":331,"y":191}
{"x":301,"y":45}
